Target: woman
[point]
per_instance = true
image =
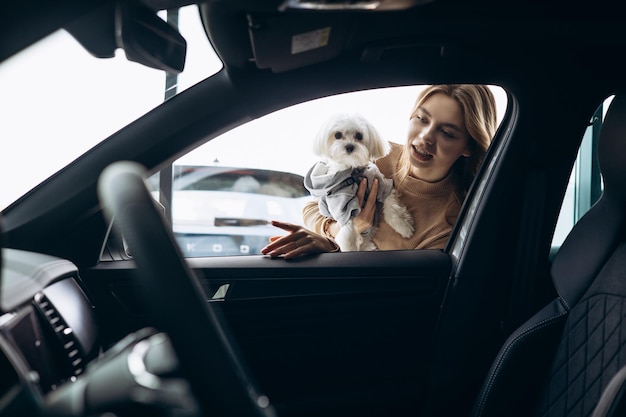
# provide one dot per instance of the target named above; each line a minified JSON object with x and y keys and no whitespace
{"x":450,"y":128}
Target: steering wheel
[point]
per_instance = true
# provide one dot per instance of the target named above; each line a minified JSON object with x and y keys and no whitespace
{"x":205,"y":350}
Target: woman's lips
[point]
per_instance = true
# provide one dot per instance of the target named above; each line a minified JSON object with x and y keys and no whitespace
{"x":421,"y":155}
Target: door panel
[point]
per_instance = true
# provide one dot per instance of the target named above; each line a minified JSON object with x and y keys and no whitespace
{"x":340,"y":334}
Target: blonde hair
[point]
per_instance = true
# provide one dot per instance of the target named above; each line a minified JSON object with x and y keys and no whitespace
{"x":479,"y":111}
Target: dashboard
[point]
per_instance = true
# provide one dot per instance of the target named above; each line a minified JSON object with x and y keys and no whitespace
{"x":48,"y":329}
{"x":51,"y":359}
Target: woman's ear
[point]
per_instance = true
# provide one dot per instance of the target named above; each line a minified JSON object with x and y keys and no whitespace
{"x":469,"y":150}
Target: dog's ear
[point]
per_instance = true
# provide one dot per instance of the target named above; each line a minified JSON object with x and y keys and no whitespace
{"x":378,"y":146}
{"x":320,"y":141}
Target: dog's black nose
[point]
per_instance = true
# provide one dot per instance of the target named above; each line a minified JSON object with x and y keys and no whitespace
{"x":349,"y":148}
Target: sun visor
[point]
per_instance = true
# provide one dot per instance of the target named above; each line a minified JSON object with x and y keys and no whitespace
{"x":283,"y":44}
{"x":281,"y":35}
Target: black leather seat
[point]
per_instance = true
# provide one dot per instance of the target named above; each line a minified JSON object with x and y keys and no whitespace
{"x":561,"y":360}
{"x":613,"y":400}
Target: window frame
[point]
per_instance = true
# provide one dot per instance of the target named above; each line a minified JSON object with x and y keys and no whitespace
{"x":585,"y":184}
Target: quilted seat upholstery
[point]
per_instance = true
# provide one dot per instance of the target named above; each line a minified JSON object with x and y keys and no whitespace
{"x":592,"y":348}
{"x":560,"y":362}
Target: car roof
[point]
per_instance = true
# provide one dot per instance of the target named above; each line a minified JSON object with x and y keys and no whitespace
{"x":259,"y":33}
{"x":248,"y":33}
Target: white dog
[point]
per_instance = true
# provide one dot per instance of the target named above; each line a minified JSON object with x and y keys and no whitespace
{"x":348,"y":146}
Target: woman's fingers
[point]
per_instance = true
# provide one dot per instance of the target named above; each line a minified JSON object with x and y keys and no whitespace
{"x":365,"y":219}
{"x":289,"y":247}
{"x":286,"y":226}
{"x":281,"y":245}
{"x":360,"y":192}
{"x":298,"y":242}
{"x":371,"y":198}
{"x":299,"y":248}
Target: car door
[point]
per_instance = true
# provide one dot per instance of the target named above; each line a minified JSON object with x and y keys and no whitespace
{"x":341,"y":333}
{"x":333,"y":334}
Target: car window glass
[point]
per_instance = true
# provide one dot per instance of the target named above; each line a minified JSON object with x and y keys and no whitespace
{"x":585,"y":183}
{"x":226,"y":191}
{"x":79,"y":100}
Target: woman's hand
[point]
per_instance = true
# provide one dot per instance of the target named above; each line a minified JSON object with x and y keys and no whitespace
{"x":365,"y":219}
{"x":300,"y":241}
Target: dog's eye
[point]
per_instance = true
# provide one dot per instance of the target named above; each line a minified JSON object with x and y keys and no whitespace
{"x":338,"y":135}
{"x":358,"y":136}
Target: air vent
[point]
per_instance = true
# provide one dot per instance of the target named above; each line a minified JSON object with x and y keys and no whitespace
{"x":64,"y":333}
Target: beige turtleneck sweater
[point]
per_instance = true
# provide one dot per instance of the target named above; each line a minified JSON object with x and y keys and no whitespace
{"x":434,"y":207}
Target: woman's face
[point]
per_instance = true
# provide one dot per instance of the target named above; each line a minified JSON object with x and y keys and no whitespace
{"x":437,"y":137}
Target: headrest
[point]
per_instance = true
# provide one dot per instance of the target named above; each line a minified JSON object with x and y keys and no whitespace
{"x":596,"y":235}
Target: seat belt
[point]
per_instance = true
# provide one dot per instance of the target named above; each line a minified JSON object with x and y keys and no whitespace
{"x":521,"y":298}
{"x":527,"y":257}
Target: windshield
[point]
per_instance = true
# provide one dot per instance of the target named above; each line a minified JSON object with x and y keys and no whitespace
{"x":59,"y":101}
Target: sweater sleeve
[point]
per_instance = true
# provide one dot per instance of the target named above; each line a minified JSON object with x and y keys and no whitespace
{"x":314,"y":220}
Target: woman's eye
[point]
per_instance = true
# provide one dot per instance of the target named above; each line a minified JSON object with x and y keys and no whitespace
{"x":447,"y":134}
{"x":338,"y":135}
{"x":359,"y":136}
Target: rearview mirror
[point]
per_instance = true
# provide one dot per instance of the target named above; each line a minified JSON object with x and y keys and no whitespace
{"x":139,"y":31}
{"x":147,"y":39}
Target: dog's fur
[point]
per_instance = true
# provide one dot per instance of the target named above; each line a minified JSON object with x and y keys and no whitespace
{"x":348,"y":145}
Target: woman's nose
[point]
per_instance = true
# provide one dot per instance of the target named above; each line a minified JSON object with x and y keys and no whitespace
{"x":426,"y":136}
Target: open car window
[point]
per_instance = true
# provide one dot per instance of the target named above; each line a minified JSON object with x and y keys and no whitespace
{"x":226,"y":192}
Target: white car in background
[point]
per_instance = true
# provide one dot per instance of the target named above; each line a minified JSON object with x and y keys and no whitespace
{"x":220,"y":211}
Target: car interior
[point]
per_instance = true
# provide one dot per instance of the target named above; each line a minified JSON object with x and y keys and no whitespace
{"x":104,"y":312}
